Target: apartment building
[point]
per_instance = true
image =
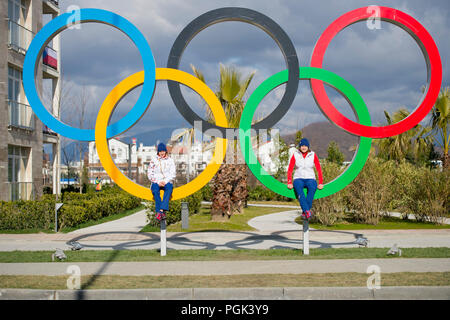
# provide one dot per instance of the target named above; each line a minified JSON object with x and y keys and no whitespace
{"x":120,"y":153}
{"x":22,"y":135}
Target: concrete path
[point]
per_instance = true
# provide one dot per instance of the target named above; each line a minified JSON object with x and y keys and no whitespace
{"x":277,"y":230}
{"x":160,"y":268}
{"x":280,"y":221}
{"x":131,"y":223}
{"x":228,"y":240}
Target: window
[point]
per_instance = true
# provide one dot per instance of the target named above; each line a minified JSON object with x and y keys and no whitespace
{"x":17,"y":11}
{"x":19,"y":173}
{"x":14,"y":84}
{"x":19,"y":36}
{"x":20,"y":114}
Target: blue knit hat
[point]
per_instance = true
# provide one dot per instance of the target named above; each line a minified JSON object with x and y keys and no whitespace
{"x":304,"y":142}
{"x":161,"y":147}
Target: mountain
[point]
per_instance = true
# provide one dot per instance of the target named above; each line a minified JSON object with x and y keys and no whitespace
{"x":150,"y":138}
{"x":320,"y":134}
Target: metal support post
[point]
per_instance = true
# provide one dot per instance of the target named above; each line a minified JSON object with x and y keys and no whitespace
{"x":185,"y":215}
{"x":163,"y":238}
{"x":305,"y":237}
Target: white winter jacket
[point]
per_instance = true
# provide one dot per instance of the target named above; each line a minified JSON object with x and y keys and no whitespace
{"x":161,"y":170}
{"x":304,"y":167}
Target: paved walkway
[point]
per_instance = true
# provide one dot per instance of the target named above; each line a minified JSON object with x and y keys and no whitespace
{"x":160,"y":268}
{"x":274,"y":231}
{"x":131,"y":223}
{"x":281,"y":221}
{"x":228,"y":240}
{"x":277,"y":230}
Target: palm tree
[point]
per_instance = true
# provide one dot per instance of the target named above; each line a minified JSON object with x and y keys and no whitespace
{"x":412,"y":143}
{"x":440,"y":118}
{"x":229,"y":185}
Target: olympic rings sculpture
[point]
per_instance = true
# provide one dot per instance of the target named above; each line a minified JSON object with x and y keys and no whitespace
{"x":291,"y":76}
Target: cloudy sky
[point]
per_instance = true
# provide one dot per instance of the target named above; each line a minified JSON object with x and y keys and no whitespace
{"x":386,"y":66}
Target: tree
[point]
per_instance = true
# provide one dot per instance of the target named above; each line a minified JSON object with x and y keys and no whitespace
{"x":334,"y":153}
{"x":282,"y":160}
{"x":84,"y":180}
{"x":229,"y":185}
{"x":411,"y":144}
{"x":298,"y":137}
{"x":440,"y":119}
{"x":80,"y":106}
{"x":67,"y":157}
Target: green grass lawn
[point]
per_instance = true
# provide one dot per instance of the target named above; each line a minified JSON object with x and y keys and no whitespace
{"x":386,"y":223}
{"x":202,"y":221}
{"x":284,"y":203}
{"x":220,"y":255}
{"x":83,"y":225}
{"x":350,"y":279}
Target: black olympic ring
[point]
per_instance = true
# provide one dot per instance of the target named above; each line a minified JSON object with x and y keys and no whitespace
{"x":244,"y":15}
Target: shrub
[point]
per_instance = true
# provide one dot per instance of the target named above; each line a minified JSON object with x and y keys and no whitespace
{"x":27,"y":214}
{"x":206,"y":192}
{"x":70,"y":216}
{"x":329,"y":210}
{"x":426,"y":194}
{"x":370,"y":193}
{"x":255,"y":193}
{"x":406,"y":178}
{"x":78,"y":208}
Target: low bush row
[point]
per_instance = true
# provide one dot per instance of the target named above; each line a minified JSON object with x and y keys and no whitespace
{"x":384,"y":186}
{"x":77,"y":209}
{"x":261,"y":193}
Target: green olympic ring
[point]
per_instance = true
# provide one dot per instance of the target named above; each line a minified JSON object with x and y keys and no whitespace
{"x":346,"y":89}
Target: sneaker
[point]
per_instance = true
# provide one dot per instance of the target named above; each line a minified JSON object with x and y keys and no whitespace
{"x":307,"y":214}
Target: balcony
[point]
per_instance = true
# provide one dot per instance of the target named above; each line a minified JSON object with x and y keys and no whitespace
{"x":19,"y":37}
{"x":49,"y":136}
{"x":50,"y":7}
{"x":20,"y":115}
{"x":20,"y":191}
{"x":50,"y":57}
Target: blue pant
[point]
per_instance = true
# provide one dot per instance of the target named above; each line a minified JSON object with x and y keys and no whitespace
{"x":164,"y":204}
{"x":311,"y":187}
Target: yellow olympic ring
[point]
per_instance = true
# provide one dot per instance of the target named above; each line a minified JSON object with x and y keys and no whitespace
{"x":113,"y":99}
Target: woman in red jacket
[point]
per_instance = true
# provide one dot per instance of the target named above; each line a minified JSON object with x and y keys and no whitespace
{"x":304,"y":160}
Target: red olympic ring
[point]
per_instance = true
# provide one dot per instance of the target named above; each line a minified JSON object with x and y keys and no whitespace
{"x":429,"y":50}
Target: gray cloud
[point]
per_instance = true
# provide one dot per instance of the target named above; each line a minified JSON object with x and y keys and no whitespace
{"x":385,"y":66}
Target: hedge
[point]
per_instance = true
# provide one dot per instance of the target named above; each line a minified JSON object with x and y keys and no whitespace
{"x":27,"y":214}
{"x":261,"y":193}
{"x":78,"y":208}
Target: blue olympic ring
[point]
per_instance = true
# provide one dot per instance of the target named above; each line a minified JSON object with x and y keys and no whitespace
{"x":62,"y":22}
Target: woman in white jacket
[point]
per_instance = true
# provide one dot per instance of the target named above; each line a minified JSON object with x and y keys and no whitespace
{"x":304,"y":161}
{"x":161,"y":173}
